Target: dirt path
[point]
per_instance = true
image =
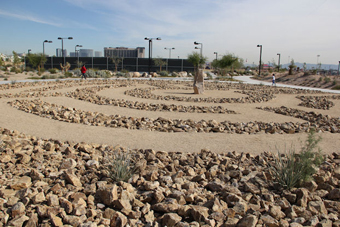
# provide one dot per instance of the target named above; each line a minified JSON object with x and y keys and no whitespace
{"x":14,"y":119}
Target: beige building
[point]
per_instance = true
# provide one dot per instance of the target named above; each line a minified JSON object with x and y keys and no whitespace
{"x":124,"y":52}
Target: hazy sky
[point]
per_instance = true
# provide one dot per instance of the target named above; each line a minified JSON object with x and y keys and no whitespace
{"x":298,"y":29}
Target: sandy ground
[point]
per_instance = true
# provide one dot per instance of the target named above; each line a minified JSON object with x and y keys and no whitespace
{"x":14,"y":119}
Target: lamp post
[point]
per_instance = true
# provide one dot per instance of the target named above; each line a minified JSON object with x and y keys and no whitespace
{"x":215,"y":54}
{"x":150,"y":50}
{"x":317,"y":61}
{"x":169,"y":48}
{"x":62,"y":46}
{"x":260,"y":59}
{"x":196,"y":43}
{"x":167,"y":62}
{"x":338,"y":68}
{"x":278,"y":66}
{"x":28,"y":51}
{"x":77,"y":53}
{"x":45,"y":41}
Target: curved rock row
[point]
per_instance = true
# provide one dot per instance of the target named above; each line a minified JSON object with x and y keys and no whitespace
{"x":160,"y":124}
{"x":258,"y":95}
{"x":57,"y":183}
{"x":318,"y":121}
{"x":89,"y":95}
{"x":318,"y":102}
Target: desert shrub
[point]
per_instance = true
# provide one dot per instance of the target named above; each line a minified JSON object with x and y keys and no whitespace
{"x":337,"y":87}
{"x":124,"y":71}
{"x":68,"y":74}
{"x":91,"y":73}
{"x":121,"y":167}
{"x":13,"y":69}
{"x":103,"y":74}
{"x":291,"y":169}
{"x":327,"y":80}
{"x":53,"y":70}
{"x":120,"y":74}
{"x":163,"y":73}
{"x":77,"y":72}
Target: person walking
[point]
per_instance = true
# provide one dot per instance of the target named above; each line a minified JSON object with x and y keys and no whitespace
{"x":273,"y":81}
{"x":83,"y":71}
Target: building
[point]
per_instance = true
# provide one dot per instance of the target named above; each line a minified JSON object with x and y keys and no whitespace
{"x":85,"y":53}
{"x":73,"y":54}
{"x":124,"y":52}
{"x":98,"y":54}
{"x":58,"y":52}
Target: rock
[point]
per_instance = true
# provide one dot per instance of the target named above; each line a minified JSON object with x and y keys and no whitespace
{"x":108,"y":194}
{"x":199,"y":213}
{"x":18,"y":210}
{"x":68,"y":163}
{"x":21,"y":183}
{"x":170,"y":219}
{"x":118,"y":220}
{"x":56,"y":221}
{"x":248,"y":221}
{"x":334,"y":194}
{"x":73,"y":179}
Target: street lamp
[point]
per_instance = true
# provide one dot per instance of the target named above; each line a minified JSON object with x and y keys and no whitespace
{"x":196,"y":43}
{"x":215,"y":54}
{"x":317,"y":61}
{"x":28,"y":51}
{"x":77,"y":53}
{"x":167,"y":62}
{"x":62,"y":46}
{"x":169,"y":48}
{"x":150,"y":50}
{"x":45,"y":41}
{"x":260,"y":58}
{"x":278,"y":67}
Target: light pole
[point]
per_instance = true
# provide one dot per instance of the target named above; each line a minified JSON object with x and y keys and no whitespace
{"x":196,"y":43}
{"x":150,"y":50}
{"x":45,"y":41}
{"x":215,"y":54}
{"x":338,"y":68}
{"x":167,"y":62}
{"x":28,"y":51}
{"x":62,"y":46}
{"x":169,"y":48}
{"x":77,"y":53}
{"x":260,"y":59}
{"x":317,"y":61}
{"x":278,"y":66}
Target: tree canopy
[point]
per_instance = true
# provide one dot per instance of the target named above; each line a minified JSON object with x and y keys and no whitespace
{"x":228,"y":61}
{"x":196,"y":59}
{"x":37,"y":60}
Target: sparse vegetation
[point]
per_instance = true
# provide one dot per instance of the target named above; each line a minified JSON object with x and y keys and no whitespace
{"x":291,"y":169}
{"x":121,"y":168}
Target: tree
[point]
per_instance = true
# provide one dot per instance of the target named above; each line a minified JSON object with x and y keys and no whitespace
{"x":16,"y":59}
{"x":197,"y":60}
{"x":116,"y":60}
{"x":291,"y":67}
{"x":228,"y":61}
{"x":1,"y":61}
{"x":159,"y":62}
{"x":37,"y":61}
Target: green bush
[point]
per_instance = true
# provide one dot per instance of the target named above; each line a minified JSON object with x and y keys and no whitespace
{"x":53,"y":70}
{"x":293,"y":169}
{"x":121,"y":168}
{"x":164,"y":73}
{"x":327,"y":80}
{"x":337,"y":87}
{"x":68,"y":74}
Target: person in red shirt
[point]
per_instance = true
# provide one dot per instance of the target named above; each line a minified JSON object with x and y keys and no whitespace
{"x":83,"y":71}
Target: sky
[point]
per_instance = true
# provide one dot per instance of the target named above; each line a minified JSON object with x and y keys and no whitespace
{"x":297,"y":29}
